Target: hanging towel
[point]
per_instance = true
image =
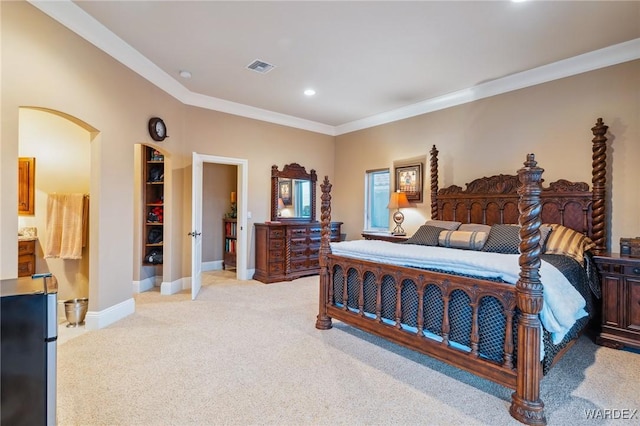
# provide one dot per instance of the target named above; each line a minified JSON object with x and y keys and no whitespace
{"x":64,"y":226}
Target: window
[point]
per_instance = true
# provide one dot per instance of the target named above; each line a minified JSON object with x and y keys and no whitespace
{"x":376,"y":200}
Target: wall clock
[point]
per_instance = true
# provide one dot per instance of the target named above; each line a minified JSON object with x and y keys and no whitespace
{"x":157,"y":129}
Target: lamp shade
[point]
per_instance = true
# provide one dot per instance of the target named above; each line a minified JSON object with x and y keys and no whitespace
{"x":280,"y":204}
{"x":398,"y":200}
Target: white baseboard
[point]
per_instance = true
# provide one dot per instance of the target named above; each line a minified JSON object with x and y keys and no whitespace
{"x":173,"y":287}
{"x":186,"y":283}
{"x":96,"y":320}
{"x":144,"y":285}
{"x":215,"y":265}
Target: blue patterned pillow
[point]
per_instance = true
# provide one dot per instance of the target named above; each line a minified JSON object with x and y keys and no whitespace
{"x":506,"y":238}
{"x":426,"y":235}
{"x":503,"y":239}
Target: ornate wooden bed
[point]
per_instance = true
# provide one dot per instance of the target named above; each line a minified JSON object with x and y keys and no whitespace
{"x":500,"y":199}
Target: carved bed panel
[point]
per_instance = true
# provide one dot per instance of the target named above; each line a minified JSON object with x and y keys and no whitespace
{"x":494,"y":200}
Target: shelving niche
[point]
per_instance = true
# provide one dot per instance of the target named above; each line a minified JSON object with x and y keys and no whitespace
{"x":153,"y":196}
{"x":230,"y":237}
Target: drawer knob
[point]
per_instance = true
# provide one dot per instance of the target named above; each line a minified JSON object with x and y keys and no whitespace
{"x":636,"y":271}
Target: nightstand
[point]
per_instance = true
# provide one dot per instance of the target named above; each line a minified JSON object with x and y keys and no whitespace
{"x":384,"y":236}
{"x":620,"y":322}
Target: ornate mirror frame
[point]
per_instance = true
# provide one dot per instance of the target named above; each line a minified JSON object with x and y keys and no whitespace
{"x":292,"y":171}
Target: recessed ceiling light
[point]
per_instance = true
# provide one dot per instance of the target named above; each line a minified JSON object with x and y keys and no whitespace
{"x":309,"y":92}
{"x":185,"y":74}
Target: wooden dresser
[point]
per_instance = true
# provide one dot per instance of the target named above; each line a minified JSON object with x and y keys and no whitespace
{"x":620,"y":276}
{"x":286,"y":251}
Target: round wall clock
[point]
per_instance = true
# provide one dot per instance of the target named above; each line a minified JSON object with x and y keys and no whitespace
{"x":157,"y":129}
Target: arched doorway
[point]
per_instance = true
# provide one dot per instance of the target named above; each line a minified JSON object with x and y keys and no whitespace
{"x":61,"y":147}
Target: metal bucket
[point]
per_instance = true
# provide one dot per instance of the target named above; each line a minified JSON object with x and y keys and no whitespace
{"x":75,"y":310}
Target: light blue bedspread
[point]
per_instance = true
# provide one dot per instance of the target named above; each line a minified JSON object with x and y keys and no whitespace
{"x":563,"y":304}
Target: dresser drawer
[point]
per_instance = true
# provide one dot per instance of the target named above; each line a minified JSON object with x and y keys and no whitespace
{"x":299,"y":242}
{"x":276,"y":233}
{"x":26,"y":247}
{"x":305,"y":252}
{"x":276,"y":255}
{"x":276,"y":268}
{"x":315,"y":231}
{"x":305,"y":264}
{"x":616,"y":268}
{"x":276,"y":244}
{"x":296,"y":232}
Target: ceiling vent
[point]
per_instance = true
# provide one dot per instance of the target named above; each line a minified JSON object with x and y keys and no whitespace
{"x":260,"y":66}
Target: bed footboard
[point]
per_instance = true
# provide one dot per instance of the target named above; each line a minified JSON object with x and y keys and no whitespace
{"x":441,"y":315}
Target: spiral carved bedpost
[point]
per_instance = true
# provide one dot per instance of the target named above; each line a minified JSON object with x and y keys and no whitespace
{"x":323,"y":321}
{"x":434,"y":183}
{"x":274,"y":192}
{"x":599,"y":181}
{"x":526,"y":405}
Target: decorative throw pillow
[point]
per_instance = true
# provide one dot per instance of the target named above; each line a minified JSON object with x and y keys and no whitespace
{"x":471,"y":240}
{"x":503,"y":239}
{"x":446,"y":224}
{"x":568,"y":242}
{"x":475,"y":227}
{"x":545,"y":230}
{"x":506,"y":238}
{"x":426,"y":235}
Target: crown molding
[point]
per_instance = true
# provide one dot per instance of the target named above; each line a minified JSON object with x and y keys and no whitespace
{"x":83,"y":24}
{"x":608,"y":56}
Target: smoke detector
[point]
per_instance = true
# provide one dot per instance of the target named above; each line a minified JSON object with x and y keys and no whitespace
{"x":260,"y":66}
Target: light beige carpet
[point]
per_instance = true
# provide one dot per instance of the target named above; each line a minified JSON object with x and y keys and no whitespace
{"x":246,"y":353}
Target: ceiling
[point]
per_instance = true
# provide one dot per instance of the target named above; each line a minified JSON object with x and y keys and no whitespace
{"x":370,"y":62}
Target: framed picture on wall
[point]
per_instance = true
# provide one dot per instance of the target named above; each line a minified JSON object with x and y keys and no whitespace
{"x":409,"y":181}
{"x":284,"y":191}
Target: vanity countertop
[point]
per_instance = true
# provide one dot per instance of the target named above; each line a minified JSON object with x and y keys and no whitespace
{"x":27,"y":238}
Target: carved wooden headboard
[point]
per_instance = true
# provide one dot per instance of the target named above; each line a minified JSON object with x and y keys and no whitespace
{"x":494,"y":200}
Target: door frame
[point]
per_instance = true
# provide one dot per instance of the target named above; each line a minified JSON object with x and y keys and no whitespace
{"x":242,"y":199}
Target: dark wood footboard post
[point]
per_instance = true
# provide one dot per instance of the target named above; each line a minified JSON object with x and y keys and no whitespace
{"x":323,"y":321}
{"x":434,"y":183}
{"x":599,"y":181}
{"x":526,"y":405}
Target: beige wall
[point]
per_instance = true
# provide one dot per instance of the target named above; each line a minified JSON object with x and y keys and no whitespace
{"x":45,"y":65}
{"x":493,"y":136}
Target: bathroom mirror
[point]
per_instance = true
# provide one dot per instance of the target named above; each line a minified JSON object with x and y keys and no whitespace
{"x":293,"y":194}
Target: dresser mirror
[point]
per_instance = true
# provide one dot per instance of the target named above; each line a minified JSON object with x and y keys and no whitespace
{"x":293,"y":194}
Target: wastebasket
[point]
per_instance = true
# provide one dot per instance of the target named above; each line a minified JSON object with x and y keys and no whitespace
{"x":75,"y":310}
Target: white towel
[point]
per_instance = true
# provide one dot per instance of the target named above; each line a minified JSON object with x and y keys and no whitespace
{"x":64,"y":226}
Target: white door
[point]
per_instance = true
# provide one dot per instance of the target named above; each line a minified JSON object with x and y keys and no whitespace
{"x":196,"y":226}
